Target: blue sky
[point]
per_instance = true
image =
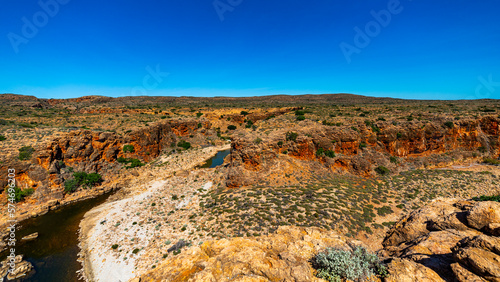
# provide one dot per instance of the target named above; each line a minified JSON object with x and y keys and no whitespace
{"x":425,"y":50}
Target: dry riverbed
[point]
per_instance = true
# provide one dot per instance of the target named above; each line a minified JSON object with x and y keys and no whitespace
{"x":126,"y":237}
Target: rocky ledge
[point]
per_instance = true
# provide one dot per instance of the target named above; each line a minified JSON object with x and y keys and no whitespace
{"x":448,"y":240}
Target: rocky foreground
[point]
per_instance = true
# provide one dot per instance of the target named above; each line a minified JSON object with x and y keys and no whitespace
{"x":448,"y":240}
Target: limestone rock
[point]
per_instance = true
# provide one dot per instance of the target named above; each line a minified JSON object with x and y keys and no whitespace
{"x":464,"y":275}
{"x":283,"y":256}
{"x":480,"y":261}
{"x":403,"y":270}
{"x":483,"y":214}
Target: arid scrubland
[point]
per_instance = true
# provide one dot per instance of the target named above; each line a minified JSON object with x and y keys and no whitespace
{"x":314,"y":164}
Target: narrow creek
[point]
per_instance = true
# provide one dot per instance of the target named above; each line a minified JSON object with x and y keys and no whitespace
{"x":216,"y":160}
{"x":54,"y":253}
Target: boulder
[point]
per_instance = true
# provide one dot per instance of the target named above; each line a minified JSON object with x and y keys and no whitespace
{"x":403,"y":270}
{"x":483,"y":214}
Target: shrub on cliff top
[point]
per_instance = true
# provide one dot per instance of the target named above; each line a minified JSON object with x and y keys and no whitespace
{"x":291,"y":136}
{"x":231,"y":127}
{"x":336,"y":264}
{"x":487,"y":198}
{"x":128,"y":148}
{"x":25,"y":153}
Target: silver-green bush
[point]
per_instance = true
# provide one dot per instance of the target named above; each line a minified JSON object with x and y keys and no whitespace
{"x":335,"y":264}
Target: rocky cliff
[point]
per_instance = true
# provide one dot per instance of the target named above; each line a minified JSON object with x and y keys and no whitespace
{"x":448,"y":240}
{"x":360,"y":148}
{"x":51,"y":164}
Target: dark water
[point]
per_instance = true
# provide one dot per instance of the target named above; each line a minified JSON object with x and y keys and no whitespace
{"x":217,"y":159}
{"x":55,"y":251}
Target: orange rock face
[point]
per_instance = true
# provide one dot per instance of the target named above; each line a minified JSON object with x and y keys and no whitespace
{"x":360,"y":151}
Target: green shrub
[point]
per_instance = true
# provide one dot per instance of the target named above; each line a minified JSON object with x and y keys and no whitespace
{"x":362,"y":145}
{"x":291,"y":136}
{"x":19,"y":194}
{"x":299,"y":113}
{"x":128,"y":148}
{"x":184,"y":144}
{"x":320,"y":152}
{"x":25,"y":153}
{"x":491,"y":161}
{"x":384,"y":210}
{"x":280,"y":143}
{"x":257,"y":140}
{"x":199,"y":115}
{"x":70,"y":185}
{"x":299,"y":118}
{"x":231,"y":127}
{"x":199,"y":125}
{"x":334,"y":265}
{"x":448,"y":124}
{"x":82,"y":178}
{"x":244,"y":113}
{"x":393,"y":159}
{"x":249,"y":124}
{"x":382,"y":170}
{"x":114,"y":247}
{"x":330,"y":154}
{"x":136,"y":250}
{"x":2,"y":138}
{"x":487,"y":198}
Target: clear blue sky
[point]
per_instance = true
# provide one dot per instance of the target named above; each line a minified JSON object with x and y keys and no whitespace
{"x":446,"y":49}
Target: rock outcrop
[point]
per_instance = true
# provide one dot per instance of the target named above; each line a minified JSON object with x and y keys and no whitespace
{"x":448,"y":240}
{"x":360,"y":149}
{"x":283,"y":256}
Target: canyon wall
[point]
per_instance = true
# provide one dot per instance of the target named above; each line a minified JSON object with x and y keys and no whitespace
{"x":361,"y":148}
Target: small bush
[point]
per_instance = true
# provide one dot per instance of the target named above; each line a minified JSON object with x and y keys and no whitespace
{"x":291,"y":136}
{"x":299,"y":118}
{"x":25,"y":153}
{"x":114,"y":247}
{"x":244,"y":113}
{"x":393,"y":159}
{"x":491,"y":161}
{"x":382,"y":170}
{"x":280,"y":143}
{"x":19,"y":194}
{"x":136,"y":250}
{"x":299,"y":113}
{"x":199,"y":115}
{"x":184,"y":144}
{"x":448,"y":124}
{"x":70,"y":185}
{"x":320,"y":152}
{"x":2,"y":138}
{"x":257,"y":140}
{"x":81,"y":178}
{"x":334,"y":265}
{"x":487,"y":198}
{"x":128,"y":148}
{"x":231,"y":127}
{"x":330,"y":154}
{"x":362,"y":145}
